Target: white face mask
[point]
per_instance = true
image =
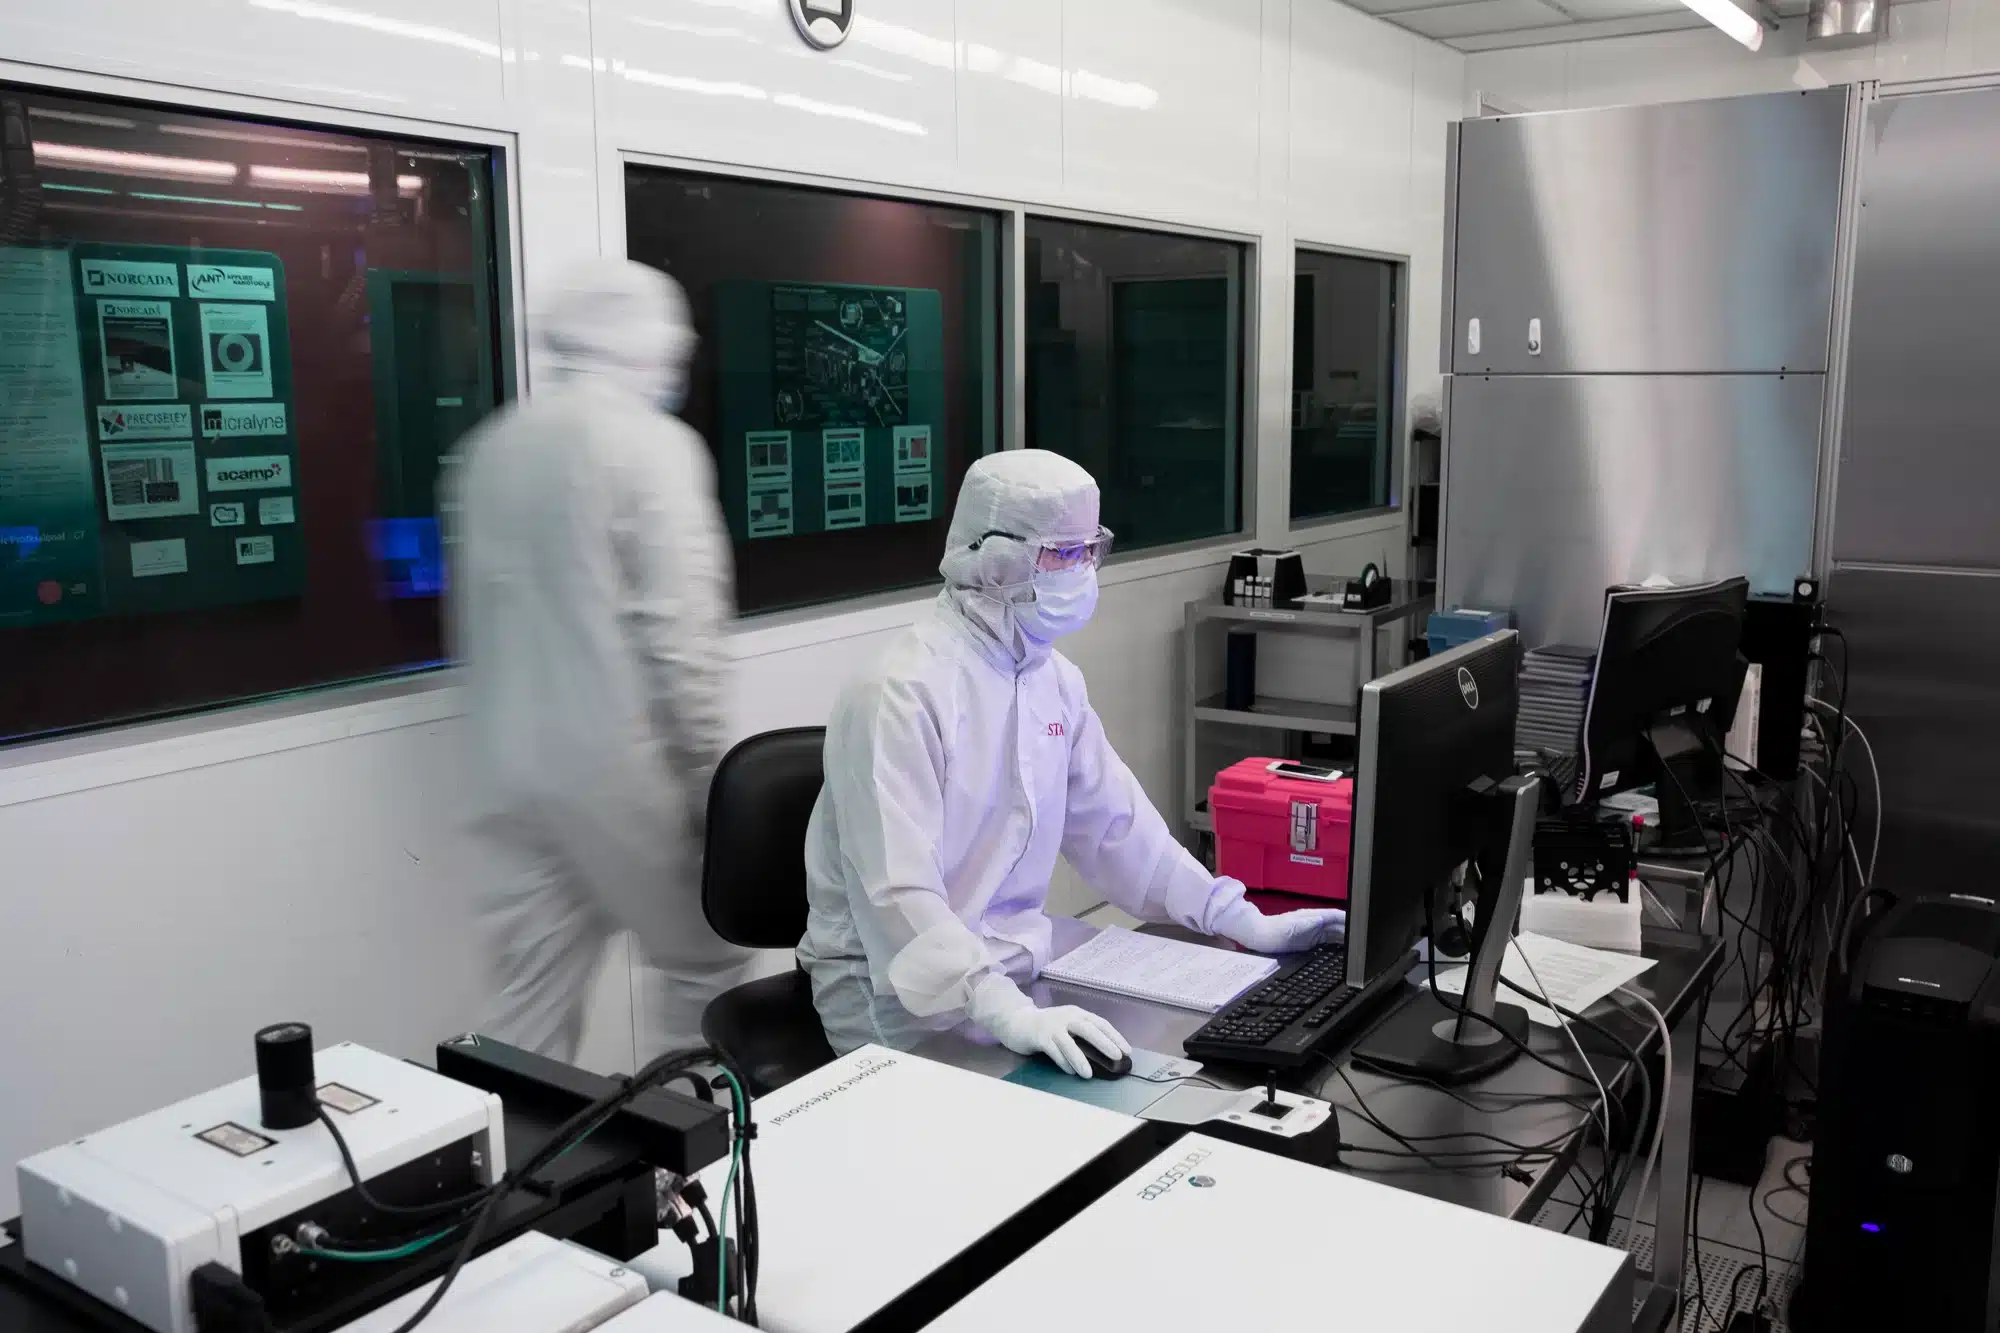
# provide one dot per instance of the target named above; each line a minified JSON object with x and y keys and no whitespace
{"x":1062,"y":604}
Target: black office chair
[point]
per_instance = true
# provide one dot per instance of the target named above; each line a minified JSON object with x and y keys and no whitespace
{"x":753,"y":892}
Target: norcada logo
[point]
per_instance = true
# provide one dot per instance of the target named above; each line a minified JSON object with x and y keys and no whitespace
{"x":1173,"y":1175}
{"x":271,"y":473}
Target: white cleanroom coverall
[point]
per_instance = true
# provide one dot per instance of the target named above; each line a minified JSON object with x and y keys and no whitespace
{"x":961,"y":765}
{"x":590,"y":586}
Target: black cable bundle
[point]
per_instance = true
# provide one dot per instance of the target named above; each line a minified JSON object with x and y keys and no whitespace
{"x":473,"y":1213}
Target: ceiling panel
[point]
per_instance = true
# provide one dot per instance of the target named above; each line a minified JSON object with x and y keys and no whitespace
{"x":1484,"y":25}
{"x":1478,"y":18}
{"x":1586,"y":11}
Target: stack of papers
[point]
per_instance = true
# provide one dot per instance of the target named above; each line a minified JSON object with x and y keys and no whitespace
{"x":1555,"y":688}
{"x":1152,"y":967}
{"x":1576,"y":977}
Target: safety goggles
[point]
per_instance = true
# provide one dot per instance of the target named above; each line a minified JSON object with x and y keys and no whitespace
{"x":1056,"y":556}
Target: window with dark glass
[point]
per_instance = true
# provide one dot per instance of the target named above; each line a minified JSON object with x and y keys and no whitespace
{"x":1135,"y":370}
{"x":1346,"y":341}
{"x":233,"y":354}
{"x":847,"y":374}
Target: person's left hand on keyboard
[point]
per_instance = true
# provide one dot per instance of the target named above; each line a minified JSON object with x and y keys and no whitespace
{"x":1287,"y":932}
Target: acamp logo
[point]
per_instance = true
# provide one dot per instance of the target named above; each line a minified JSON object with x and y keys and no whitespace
{"x":1173,"y":1175}
{"x":273,"y":472}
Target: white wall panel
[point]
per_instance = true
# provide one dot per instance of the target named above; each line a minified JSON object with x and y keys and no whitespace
{"x":550,"y":84}
{"x":1010,"y":102}
{"x":1160,"y":118}
{"x":158,"y":924}
{"x":1972,"y":37}
{"x":1435,"y":105}
{"x":428,"y":58}
{"x":1350,"y":144}
{"x":732,"y":81}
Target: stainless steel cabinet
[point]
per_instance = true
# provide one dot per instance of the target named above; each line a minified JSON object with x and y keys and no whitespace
{"x":1558,"y":486}
{"x":1920,"y":457}
{"x":1695,"y":236}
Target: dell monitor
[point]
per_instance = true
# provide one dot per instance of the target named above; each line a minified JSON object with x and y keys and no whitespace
{"x":1435,"y":788}
{"x":1663,"y":696}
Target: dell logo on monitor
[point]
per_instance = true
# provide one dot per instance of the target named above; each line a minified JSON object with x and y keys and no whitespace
{"x":823,"y":23}
{"x":1468,"y":687}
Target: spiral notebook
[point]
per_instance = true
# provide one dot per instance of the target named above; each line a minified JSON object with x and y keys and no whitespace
{"x":1165,"y":971}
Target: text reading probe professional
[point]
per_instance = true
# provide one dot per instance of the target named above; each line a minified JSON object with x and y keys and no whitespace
{"x":961,"y":765}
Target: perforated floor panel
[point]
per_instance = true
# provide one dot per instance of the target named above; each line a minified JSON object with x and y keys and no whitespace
{"x":1724,"y":1269}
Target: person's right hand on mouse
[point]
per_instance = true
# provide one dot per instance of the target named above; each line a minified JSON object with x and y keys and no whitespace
{"x":999,"y":1006}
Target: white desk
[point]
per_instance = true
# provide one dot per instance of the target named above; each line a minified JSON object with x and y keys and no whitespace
{"x":879,"y":1169}
{"x":1209,"y":1235}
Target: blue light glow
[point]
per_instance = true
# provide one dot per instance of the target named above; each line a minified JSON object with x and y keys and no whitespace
{"x":1871,"y":1227}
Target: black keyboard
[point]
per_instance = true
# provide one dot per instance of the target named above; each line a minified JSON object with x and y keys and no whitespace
{"x":1282,"y":1023}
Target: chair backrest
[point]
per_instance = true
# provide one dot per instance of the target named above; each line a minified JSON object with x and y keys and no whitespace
{"x":753,"y":876}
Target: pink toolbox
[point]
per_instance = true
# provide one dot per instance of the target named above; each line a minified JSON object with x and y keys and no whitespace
{"x":1279,"y":831}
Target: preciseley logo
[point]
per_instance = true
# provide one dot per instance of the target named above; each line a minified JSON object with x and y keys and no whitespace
{"x":1468,"y":688}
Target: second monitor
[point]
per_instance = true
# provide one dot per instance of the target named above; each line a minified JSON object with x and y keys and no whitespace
{"x":1435,"y":789}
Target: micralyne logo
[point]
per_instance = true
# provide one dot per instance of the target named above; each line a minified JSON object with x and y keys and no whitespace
{"x":249,"y":474}
{"x":1468,"y":688}
{"x":223,"y":421}
{"x":222,"y":282}
{"x":1173,"y":1175}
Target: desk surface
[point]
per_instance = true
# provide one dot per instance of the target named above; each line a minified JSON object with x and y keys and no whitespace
{"x":1511,"y":1103}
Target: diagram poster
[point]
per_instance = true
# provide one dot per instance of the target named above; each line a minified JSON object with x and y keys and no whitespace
{"x":854,"y":374}
{"x":191,"y":445}
{"x":48,"y":490}
{"x":136,"y":341}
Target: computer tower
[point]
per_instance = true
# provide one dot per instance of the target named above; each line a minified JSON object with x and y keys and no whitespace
{"x":1906,"y":1158}
{"x":1777,"y":635}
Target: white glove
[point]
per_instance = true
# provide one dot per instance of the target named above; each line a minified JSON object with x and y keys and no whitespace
{"x":1288,"y":932}
{"x":999,"y":1006}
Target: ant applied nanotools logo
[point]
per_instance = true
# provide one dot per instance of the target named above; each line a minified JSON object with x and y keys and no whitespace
{"x":823,"y":23}
{"x":224,"y":282}
{"x":1468,"y":687}
{"x":172,"y":421}
{"x":1173,"y":1175}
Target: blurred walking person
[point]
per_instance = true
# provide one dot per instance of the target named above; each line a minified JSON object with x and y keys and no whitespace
{"x":590,"y":588}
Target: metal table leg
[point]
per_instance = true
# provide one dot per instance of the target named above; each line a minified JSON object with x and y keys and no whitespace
{"x":1661,"y":1309}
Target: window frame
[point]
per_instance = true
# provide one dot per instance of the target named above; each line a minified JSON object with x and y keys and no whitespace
{"x":1317,"y":528}
{"x":94,"y":753}
{"x":1249,"y":364}
{"x":1005,"y":402}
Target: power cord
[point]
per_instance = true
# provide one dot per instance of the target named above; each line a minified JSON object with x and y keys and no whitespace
{"x":479,"y":1209}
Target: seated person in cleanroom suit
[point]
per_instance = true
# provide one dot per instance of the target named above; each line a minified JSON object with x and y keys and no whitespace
{"x":961,"y":765}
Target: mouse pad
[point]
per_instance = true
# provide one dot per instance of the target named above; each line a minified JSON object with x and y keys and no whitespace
{"x":1153,"y":1076}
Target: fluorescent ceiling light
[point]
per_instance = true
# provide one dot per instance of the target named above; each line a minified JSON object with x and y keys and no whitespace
{"x":246,"y":136}
{"x":318,"y":178}
{"x":80,"y":158}
{"x":79,"y":118}
{"x":1724,"y":14}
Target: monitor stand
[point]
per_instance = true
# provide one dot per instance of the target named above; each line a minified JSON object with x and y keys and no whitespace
{"x":1690,"y":770}
{"x":1432,"y":1038}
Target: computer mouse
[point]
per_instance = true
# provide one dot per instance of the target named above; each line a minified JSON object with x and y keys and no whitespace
{"x":1104,"y":1066}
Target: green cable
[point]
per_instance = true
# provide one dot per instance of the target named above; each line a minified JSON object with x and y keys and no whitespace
{"x":377,"y":1256}
{"x":728,"y":1191}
